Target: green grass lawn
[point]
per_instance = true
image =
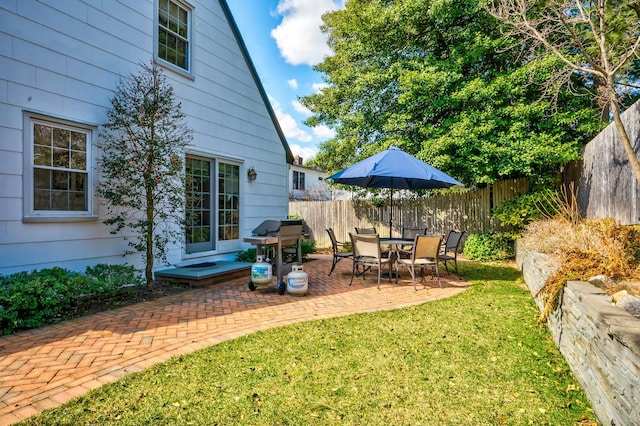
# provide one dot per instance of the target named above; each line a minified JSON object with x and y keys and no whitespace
{"x":477,"y":358}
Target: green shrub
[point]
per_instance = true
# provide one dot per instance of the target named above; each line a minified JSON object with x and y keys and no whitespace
{"x":37,"y":298}
{"x":249,"y":255}
{"x":526,"y":208}
{"x":378,"y":202}
{"x":111,"y":278}
{"x":32,"y":299}
{"x":307,"y":248}
{"x":490,"y":245}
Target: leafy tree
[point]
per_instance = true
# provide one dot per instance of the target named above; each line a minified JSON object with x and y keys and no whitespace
{"x":439,"y":79}
{"x":599,"y":40}
{"x":142,"y":181}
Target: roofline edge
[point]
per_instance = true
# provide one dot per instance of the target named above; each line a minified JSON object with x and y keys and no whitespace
{"x":256,"y":78}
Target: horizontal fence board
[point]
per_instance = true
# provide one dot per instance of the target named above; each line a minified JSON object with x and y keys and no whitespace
{"x":467,"y":211}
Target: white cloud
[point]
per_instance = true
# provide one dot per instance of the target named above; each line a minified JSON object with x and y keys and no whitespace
{"x":305,"y":152}
{"x":299,"y":38}
{"x":324,"y":132}
{"x":301,"y":109}
{"x":288,"y":124}
{"x":317,"y":87}
{"x":293,"y":83}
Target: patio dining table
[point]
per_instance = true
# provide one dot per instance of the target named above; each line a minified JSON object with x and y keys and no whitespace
{"x":396,"y":243}
{"x":394,"y":248}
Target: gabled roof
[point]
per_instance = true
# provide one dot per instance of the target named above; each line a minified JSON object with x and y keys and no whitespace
{"x":254,"y":74}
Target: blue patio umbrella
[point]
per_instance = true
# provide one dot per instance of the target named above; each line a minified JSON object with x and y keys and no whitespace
{"x":393,"y":168}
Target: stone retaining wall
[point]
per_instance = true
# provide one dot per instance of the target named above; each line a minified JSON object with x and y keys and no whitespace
{"x":600,"y":341}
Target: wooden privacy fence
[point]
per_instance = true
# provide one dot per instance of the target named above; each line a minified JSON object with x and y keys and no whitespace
{"x":606,"y":186}
{"x":468,"y":211}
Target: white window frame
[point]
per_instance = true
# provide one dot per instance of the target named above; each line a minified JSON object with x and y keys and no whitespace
{"x":299,"y":181}
{"x":187,"y":72}
{"x":211,"y":245}
{"x":220,"y":208}
{"x":29,"y":212}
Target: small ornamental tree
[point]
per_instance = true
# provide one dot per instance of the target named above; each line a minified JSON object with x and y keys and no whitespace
{"x":141,"y":160}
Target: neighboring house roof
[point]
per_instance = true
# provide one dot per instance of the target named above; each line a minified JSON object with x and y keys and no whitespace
{"x":254,"y":74}
{"x":314,"y":170}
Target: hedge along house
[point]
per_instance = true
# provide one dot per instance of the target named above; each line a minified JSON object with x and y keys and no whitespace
{"x":61,"y":61}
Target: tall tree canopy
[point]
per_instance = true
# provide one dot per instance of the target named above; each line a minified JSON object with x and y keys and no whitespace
{"x":439,"y":79}
{"x":597,"y":39}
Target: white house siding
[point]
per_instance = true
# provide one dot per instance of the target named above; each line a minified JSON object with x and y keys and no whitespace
{"x":63,"y":59}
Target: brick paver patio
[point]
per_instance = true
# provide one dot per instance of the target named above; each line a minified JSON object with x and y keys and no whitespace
{"x":47,"y":367}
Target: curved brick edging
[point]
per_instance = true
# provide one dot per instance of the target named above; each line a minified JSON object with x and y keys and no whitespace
{"x":600,"y":342}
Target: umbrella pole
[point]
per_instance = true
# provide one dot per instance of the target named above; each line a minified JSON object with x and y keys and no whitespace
{"x":391,"y":213}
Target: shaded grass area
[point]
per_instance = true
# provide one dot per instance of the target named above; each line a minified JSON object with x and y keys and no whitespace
{"x":477,"y":358}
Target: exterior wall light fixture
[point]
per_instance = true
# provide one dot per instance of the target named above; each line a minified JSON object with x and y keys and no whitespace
{"x":252,"y":174}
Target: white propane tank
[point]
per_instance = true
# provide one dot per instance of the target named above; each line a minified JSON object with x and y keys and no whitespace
{"x":297,"y":281}
{"x":261,"y":271}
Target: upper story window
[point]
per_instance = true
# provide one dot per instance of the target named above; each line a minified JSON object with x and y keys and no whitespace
{"x":298,"y":180}
{"x":174,"y":33}
{"x":57,"y":175}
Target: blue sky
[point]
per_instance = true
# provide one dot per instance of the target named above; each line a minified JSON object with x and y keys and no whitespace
{"x":284,"y":40}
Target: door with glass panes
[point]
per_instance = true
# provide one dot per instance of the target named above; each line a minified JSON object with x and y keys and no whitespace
{"x":212,"y":204}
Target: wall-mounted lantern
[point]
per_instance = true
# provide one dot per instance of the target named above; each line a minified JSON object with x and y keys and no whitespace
{"x":252,"y":174}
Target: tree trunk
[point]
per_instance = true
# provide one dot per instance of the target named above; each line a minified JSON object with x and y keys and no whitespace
{"x":149,"y":192}
{"x":626,"y":142}
{"x":148,"y":272}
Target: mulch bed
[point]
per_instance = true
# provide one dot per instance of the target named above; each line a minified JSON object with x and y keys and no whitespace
{"x":126,"y":297}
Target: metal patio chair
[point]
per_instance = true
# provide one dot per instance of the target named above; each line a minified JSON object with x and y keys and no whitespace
{"x":366,"y":253}
{"x":424,"y":254}
{"x":335,"y":247}
{"x":450,"y":251}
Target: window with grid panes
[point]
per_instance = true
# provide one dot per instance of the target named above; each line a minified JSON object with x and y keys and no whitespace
{"x":228,"y":201}
{"x":57,"y":181}
{"x":204,"y":175}
{"x":198,"y":208}
{"x":174,"y":33}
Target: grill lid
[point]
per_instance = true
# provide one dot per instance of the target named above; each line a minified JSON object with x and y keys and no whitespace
{"x":271,"y":227}
{"x":267,"y":227}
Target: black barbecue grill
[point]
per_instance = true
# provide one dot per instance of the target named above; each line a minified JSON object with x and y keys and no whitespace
{"x":281,"y":239}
